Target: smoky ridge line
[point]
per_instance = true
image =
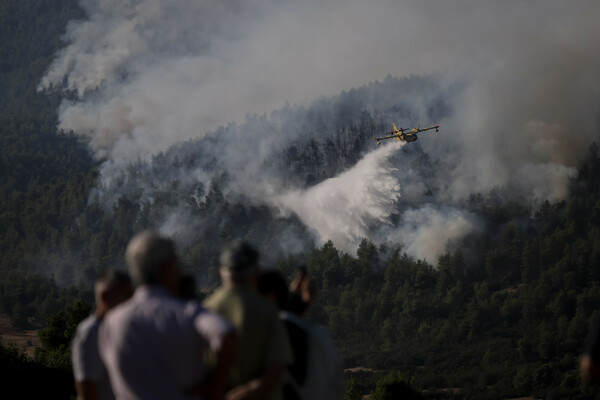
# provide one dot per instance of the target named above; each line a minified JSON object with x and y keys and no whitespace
{"x":333,"y":150}
{"x":516,"y":112}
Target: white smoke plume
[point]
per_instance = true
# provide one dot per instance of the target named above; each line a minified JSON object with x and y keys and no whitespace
{"x":150,"y":74}
{"x":344,"y":209}
{"x":429,"y":231}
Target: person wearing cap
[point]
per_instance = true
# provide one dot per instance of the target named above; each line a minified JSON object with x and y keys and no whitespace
{"x":154,"y":345}
{"x":264,"y":349}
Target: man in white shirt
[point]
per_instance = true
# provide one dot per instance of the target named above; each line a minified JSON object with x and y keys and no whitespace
{"x":153,"y":345}
{"x":91,"y":379}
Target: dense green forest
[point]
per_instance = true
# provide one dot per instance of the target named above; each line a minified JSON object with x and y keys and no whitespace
{"x":510,"y":325}
{"x":505,"y":315}
{"x":44,"y":177}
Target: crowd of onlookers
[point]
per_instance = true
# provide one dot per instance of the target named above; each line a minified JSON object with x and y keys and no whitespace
{"x":151,"y":338}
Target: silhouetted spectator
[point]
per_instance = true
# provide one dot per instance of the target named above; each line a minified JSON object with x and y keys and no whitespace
{"x":91,"y":378}
{"x":302,"y":293}
{"x":153,"y":346}
{"x":273,"y":285}
{"x":264,"y":349}
{"x":317,"y":371}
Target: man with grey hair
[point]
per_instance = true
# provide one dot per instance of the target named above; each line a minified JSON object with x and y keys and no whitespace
{"x":264,"y":349}
{"x":91,"y":378}
{"x":154,"y":345}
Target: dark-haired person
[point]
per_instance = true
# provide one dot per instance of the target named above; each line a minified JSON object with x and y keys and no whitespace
{"x":154,"y":345}
{"x":91,"y":378}
{"x":272,"y":285}
{"x":302,"y":293}
{"x":264,"y":350}
{"x":317,"y":371}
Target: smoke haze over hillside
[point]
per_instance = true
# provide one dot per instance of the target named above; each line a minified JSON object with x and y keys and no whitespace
{"x":343,"y":208}
{"x":150,"y":74}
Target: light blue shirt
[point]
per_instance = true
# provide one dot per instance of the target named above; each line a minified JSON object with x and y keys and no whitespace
{"x":87,"y":364}
{"x":153,"y":344}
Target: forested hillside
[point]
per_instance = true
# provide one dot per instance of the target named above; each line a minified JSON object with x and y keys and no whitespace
{"x":509,"y":325}
{"x":503,"y":313}
{"x":44,"y":176}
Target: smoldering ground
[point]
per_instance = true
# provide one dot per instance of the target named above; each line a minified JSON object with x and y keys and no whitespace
{"x":151,"y":74}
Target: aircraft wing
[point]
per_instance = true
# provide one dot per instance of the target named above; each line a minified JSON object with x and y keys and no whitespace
{"x":387,"y":137}
{"x":436,"y":127}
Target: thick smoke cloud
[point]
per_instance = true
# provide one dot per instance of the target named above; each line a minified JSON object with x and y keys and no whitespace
{"x":150,"y":74}
{"x":429,"y":231}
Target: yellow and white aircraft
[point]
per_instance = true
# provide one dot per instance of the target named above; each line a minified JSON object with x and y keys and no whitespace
{"x":406,"y":135}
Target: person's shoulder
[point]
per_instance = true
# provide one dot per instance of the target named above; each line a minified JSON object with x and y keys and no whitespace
{"x":87,"y":327}
{"x":126,"y":307}
{"x":201,"y":313}
{"x":219,"y":296}
{"x":120,"y":314}
{"x":90,"y":322}
{"x":196,"y":307}
{"x":218,"y":292}
{"x":241,"y":297}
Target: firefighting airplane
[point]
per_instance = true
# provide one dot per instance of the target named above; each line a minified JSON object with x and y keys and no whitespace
{"x":406,"y":135}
